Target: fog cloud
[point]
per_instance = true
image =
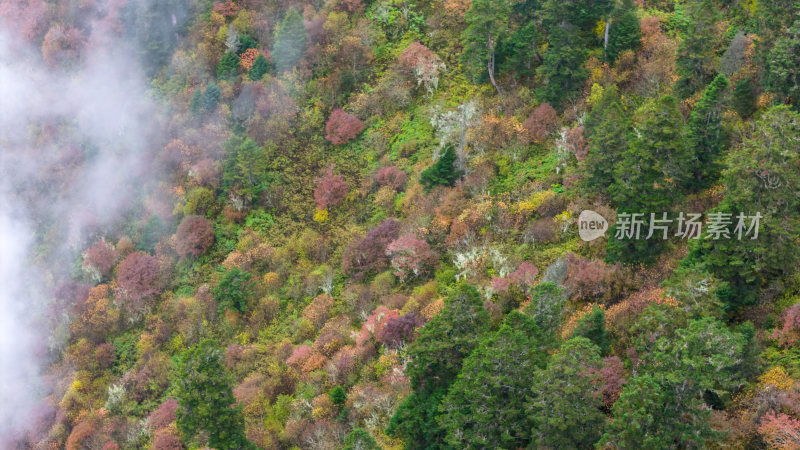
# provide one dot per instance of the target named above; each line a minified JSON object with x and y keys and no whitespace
{"x":75,"y":147}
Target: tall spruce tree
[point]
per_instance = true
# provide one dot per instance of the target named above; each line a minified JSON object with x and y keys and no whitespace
{"x":210,"y":97}
{"x":696,"y":61}
{"x":623,"y":31}
{"x":592,"y":326}
{"x":762,"y":178}
{"x":246,"y":168}
{"x":584,"y":15}
{"x":228,"y":66}
{"x":745,"y":97}
{"x":564,"y":408}
{"x":205,"y":399}
{"x":442,"y":172}
{"x":521,"y":52}
{"x":706,"y":137}
{"x":290,"y":41}
{"x":597,"y":113}
{"x":486,"y":33}
{"x":664,"y":405}
{"x":783,"y":67}
{"x":608,"y":142}
{"x":259,"y":69}
{"x":485,"y":406}
{"x":563,"y":65}
{"x":570,"y":31}
{"x":436,"y":359}
{"x":649,"y":177}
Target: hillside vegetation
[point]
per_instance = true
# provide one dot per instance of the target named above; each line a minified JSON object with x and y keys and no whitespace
{"x":365,"y":232}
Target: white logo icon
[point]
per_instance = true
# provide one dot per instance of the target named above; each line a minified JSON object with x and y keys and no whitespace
{"x":591,"y":225}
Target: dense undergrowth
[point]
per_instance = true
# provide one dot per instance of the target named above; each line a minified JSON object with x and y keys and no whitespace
{"x":366,"y":235}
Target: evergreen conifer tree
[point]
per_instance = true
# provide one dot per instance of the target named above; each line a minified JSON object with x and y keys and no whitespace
{"x":259,"y":69}
{"x":290,"y":41}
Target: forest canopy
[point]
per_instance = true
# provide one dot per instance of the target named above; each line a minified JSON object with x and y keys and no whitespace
{"x":414,"y":224}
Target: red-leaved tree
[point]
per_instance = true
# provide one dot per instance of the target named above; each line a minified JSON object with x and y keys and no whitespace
{"x":541,"y":122}
{"x":248,"y":58}
{"x":789,"y":332}
{"x":594,"y":280}
{"x":25,"y":18}
{"x":524,"y":276}
{"x":369,"y":253}
{"x":342,"y":127}
{"x":780,"y":431}
{"x":391,"y":176}
{"x":167,"y":441}
{"x":226,"y":9}
{"x":62,"y":44}
{"x":374,"y":324}
{"x":500,"y":284}
{"x":99,"y":259}
{"x":299,"y":356}
{"x":613,"y":376}
{"x":331,"y":189}
{"x":423,"y":64}
{"x":398,"y":330}
{"x":163,"y":416}
{"x":138,"y":279}
{"x":195,"y":234}
{"x":410,"y":256}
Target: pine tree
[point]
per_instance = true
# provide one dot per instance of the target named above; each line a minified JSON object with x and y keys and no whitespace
{"x":661,"y":136}
{"x":233,"y":290}
{"x":211,"y":97}
{"x":338,"y":395}
{"x":581,"y":14}
{"x":228,"y":66}
{"x":259,"y":69}
{"x":485,"y":406}
{"x":436,"y":359}
{"x":487,"y":29}
{"x":196,"y":104}
{"x":608,"y":142}
{"x":205,"y":399}
{"x":772,"y":18}
{"x":246,"y":168}
{"x":783,"y":67}
{"x":563,"y":407}
{"x":570,"y":28}
{"x":152,"y":232}
{"x":648,"y":178}
{"x":521,"y":52}
{"x":360,"y":439}
{"x":562,"y":67}
{"x":598,"y":113}
{"x":592,"y":326}
{"x":290,"y":41}
{"x":745,"y":97}
{"x":640,"y":413}
{"x":623,"y":32}
{"x":246,"y":43}
{"x":547,"y":308}
{"x":443,"y":172}
{"x":156,"y":28}
{"x":706,"y":137}
{"x":762,"y":178}
{"x":696,"y":62}
{"x":664,"y":406}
